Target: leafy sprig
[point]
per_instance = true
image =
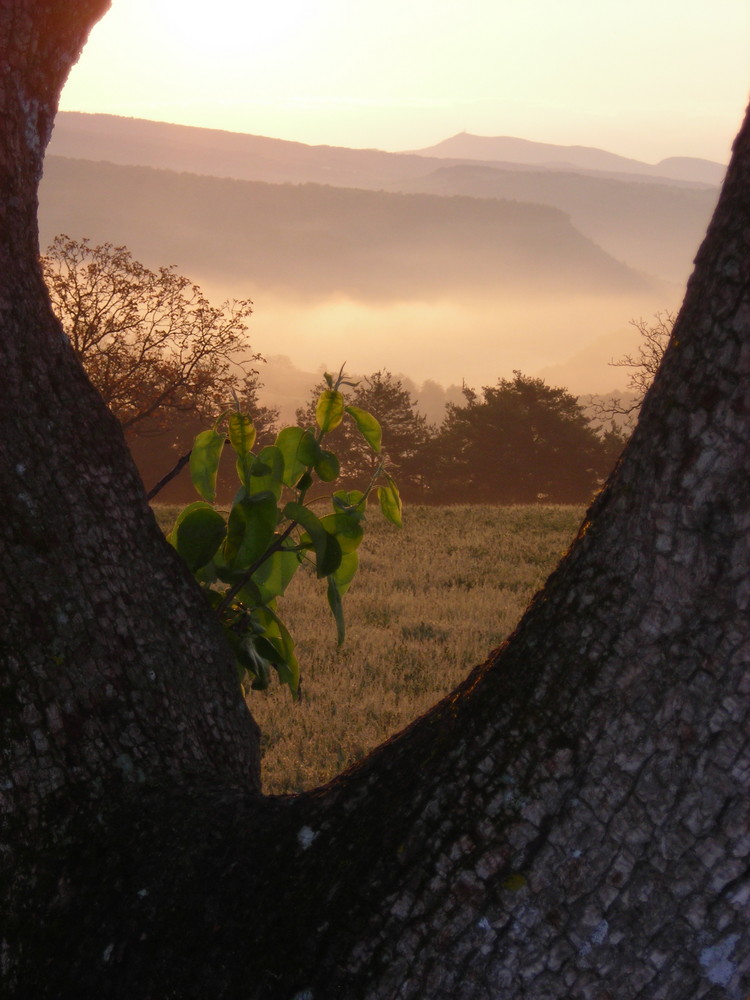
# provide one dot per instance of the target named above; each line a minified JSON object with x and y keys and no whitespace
{"x":244,"y":561}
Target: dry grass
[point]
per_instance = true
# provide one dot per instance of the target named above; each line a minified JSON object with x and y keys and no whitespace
{"x":429,"y":603}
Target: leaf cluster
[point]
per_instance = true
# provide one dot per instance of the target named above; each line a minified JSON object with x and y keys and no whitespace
{"x":406,"y":432}
{"x":245,"y":560}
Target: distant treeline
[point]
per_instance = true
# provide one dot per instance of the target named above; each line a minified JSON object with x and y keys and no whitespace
{"x":519,"y":441}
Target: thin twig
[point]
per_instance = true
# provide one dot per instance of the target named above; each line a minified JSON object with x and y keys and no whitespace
{"x":182,"y":461}
{"x":237,"y":587}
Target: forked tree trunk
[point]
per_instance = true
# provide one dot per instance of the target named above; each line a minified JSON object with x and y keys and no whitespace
{"x":571,"y":823}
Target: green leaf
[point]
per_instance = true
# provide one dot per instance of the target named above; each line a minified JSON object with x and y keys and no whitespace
{"x":288,"y":442}
{"x":347,"y":530}
{"x":250,"y":595}
{"x":264,"y":642}
{"x":262,"y":679}
{"x":276,"y":632}
{"x":243,"y":465}
{"x":346,"y":571}
{"x":271,"y":578}
{"x":207,"y":574}
{"x":250,"y":652}
{"x":329,"y":411}
{"x":338,"y":584}
{"x":368,"y":426}
{"x":390,"y":502}
{"x":350,"y":502}
{"x":242,"y":438}
{"x":328,"y":467}
{"x":299,"y":450}
{"x":266,"y":472}
{"x":241,"y":433}
{"x":242,"y":659}
{"x":268,"y":651}
{"x":197,"y":534}
{"x":263,"y":682}
{"x":204,"y":463}
{"x":196,"y":505}
{"x":327,"y":548}
{"x":309,"y":451}
{"x":250,"y":531}
{"x":224,"y":572}
{"x":337,"y":608}
{"x":289,"y":674}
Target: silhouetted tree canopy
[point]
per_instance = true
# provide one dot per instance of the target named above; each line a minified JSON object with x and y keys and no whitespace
{"x":519,"y":442}
{"x":150,"y":341}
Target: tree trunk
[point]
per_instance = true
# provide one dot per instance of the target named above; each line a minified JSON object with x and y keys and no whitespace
{"x":572,"y":822}
{"x":113,"y":671}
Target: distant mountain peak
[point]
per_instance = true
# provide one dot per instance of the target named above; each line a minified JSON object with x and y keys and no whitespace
{"x":136,"y":141}
{"x":510,"y":149}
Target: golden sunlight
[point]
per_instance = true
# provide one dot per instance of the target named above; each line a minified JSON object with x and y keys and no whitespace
{"x":232,"y":26}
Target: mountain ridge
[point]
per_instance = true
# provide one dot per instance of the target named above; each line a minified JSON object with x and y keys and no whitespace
{"x":140,"y":142}
{"x":318,"y":240}
{"x":652,"y":225}
{"x":445,"y":280}
{"x":510,"y":149}
{"x":652,"y":228}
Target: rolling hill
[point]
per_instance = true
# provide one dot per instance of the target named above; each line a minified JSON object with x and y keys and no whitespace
{"x":314,"y":241}
{"x":446,"y":268}
{"x":654,"y":228}
{"x":137,"y":142}
{"x":651,"y":222}
{"x":508,"y":149}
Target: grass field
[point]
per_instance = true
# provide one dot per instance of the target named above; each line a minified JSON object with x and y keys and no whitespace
{"x":429,"y":602}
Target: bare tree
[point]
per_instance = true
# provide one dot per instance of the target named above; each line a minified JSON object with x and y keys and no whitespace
{"x":572,"y":821}
{"x":150,"y":341}
{"x":655,"y":337}
{"x":621,"y":411}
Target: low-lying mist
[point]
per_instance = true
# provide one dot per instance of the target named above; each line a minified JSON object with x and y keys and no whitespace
{"x":449,"y":287}
{"x":569,"y":341}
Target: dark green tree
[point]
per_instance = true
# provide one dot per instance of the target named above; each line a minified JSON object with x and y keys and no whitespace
{"x":520,"y":441}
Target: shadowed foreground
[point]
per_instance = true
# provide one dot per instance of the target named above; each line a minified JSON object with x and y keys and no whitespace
{"x":571,"y":822}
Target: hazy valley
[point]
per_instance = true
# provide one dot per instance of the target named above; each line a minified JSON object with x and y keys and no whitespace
{"x":439,"y":266}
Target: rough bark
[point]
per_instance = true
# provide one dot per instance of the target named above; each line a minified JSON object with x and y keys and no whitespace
{"x":571,"y":822}
{"x":110,"y":671}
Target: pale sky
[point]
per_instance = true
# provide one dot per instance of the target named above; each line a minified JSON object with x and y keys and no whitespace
{"x":643,"y":78}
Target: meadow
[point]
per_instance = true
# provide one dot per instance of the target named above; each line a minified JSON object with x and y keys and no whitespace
{"x":429,"y":602}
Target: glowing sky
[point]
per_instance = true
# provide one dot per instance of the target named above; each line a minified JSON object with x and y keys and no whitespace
{"x":646,"y":78}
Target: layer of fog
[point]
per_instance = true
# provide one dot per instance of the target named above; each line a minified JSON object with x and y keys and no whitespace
{"x":569,"y":341}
